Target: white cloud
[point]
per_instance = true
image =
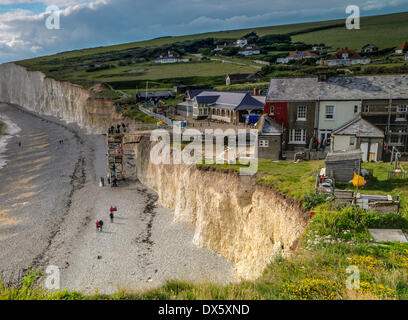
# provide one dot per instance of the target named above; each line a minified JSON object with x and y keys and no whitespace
{"x":103,"y":22}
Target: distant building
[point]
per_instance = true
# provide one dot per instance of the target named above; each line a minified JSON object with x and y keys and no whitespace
{"x":220,"y":47}
{"x":240,"y":43}
{"x":269,"y":138}
{"x":153,"y":95}
{"x":242,"y":77}
{"x":297,"y":55}
{"x":231,"y":107}
{"x":402,"y":48}
{"x":170,"y":57}
{"x":319,"y":48}
{"x":249,"y":50}
{"x":369,"y":48}
{"x":346,"y":57}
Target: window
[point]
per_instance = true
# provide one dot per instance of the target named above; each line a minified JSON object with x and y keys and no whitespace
{"x":366,"y":108}
{"x":355,"y":109}
{"x":297,"y":136}
{"x":272,"y":110}
{"x":401,"y":113}
{"x":329,"y":115}
{"x":396,"y":139}
{"x":352,"y":141}
{"x":264,"y":143}
{"x":301,"y":113}
{"x":402,"y":108}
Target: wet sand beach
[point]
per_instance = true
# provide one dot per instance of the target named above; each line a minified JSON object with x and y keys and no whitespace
{"x":50,"y":200}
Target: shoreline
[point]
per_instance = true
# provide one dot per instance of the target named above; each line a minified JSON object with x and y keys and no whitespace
{"x":50,"y":195}
{"x":8,"y":130}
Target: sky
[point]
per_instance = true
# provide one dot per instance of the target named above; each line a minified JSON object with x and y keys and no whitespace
{"x":93,"y":23}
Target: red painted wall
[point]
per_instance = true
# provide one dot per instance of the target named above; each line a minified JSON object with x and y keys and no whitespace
{"x":281,"y":111}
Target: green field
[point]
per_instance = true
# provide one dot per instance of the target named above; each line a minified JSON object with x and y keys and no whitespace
{"x":123,"y":68}
{"x":387,"y":31}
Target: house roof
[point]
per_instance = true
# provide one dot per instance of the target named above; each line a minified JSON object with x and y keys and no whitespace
{"x":343,"y":155}
{"x":241,"y":76}
{"x":339,"y":55}
{"x":155,"y":94}
{"x":169,"y":54}
{"x":268,"y":127}
{"x":194,"y":92}
{"x":338,"y":88}
{"x":249,"y":47}
{"x":369,"y":45}
{"x":230,"y":100}
{"x":360,"y":128}
{"x":402,"y":46}
{"x":301,"y":54}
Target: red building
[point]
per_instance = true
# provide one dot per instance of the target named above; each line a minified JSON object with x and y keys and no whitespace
{"x":278,"y":111}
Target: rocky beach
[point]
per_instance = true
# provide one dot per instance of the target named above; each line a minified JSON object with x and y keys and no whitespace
{"x":50,"y":199}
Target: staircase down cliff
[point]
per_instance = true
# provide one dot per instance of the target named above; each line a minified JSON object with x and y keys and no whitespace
{"x":71,"y":103}
{"x":246,"y":222}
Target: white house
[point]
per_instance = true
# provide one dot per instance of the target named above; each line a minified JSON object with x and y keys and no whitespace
{"x":346,"y":58}
{"x":170,"y":57}
{"x":240,"y":43}
{"x":249,"y":50}
{"x":402,"y":48}
{"x":333,"y":114}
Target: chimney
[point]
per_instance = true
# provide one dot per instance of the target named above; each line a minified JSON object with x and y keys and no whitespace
{"x":322,"y":71}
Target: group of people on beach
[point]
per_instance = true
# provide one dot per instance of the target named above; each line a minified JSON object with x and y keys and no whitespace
{"x":99,"y":223}
{"x":118,"y":129}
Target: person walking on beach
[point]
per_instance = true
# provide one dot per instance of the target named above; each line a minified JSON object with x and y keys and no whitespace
{"x":111,"y":217}
{"x":100,"y":225}
{"x":97,"y":225}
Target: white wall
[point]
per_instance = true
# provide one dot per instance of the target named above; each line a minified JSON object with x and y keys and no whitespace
{"x":343,"y":112}
{"x":340,"y":143}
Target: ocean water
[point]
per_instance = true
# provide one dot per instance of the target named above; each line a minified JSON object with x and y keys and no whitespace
{"x":12,"y":130}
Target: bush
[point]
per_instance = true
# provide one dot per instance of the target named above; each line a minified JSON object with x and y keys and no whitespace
{"x":387,"y":221}
{"x":312,"y":200}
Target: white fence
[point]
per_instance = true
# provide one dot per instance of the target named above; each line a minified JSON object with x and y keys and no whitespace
{"x":165,"y":120}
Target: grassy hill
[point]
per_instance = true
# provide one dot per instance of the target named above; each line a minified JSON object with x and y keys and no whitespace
{"x":128,"y":66}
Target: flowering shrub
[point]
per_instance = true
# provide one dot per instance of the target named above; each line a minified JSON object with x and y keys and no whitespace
{"x":378,"y":290}
{"x":367,"y":262}
{"x":313,"y":289}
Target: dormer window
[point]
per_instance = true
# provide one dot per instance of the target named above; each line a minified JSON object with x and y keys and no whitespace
{"x":345,"y":55}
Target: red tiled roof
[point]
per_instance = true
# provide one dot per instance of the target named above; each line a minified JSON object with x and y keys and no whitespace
{"x":402,"y":46}
{"x":339,"y":55}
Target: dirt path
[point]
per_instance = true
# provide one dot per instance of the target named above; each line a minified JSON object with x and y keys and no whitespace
{"x":142,"y":248}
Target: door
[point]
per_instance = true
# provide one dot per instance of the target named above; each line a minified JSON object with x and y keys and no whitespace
{"x":364,"y":150}
{"x":373,"y":152}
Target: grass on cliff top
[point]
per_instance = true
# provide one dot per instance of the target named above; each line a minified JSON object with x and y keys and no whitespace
{"x":292,"y":179}
{"x":298,"y":179}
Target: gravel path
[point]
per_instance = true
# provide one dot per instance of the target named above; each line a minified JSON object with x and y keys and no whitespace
{"x":141,"y":249}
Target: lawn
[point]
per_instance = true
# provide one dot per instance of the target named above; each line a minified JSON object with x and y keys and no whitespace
{"x":387,"y":31}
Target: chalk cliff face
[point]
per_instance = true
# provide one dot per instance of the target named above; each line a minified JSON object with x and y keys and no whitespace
{"x":233,"y":215}
{"x":71,"y":103}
